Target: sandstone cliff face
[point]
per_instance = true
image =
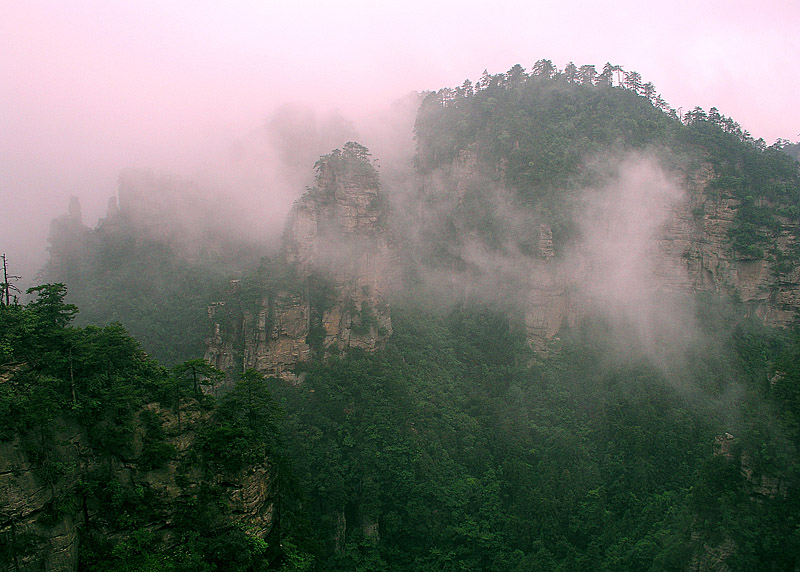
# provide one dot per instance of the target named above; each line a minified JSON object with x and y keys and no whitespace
{"x":688,"y":249}
{"x":26,"y":512}
{"x":714,"y":266}
{"x":337,"y":233}
{"x":335,"y":244}
{"x":691,"y":251}
{"x":548,"y":304}
{"x":47,"y":515}
{"x":694,"y":253}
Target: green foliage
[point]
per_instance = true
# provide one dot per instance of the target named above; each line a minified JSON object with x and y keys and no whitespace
{"x":226,"y":551}
{"x":95,"y":374}
{"x":117,"y":272}
{"x":765,"y":180}
{"x":155,"y":450}
{"x":320,"y":296}
{"x":196,"y":374}
{"x":244,"y":429}
{"x":49,"y":309}
{"x":533,"y":136}
{"x":366,"y":320}
{"x":15,"y":545}
{"x":352,"y":160}
{"x":257,"y":289}
{"x":96,"y":385}
{"x":537,"y":135}
{"x":543,"y":128}
{"x":455,"y":449}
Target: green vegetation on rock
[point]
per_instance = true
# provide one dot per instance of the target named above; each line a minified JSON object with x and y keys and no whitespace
{"x":457,"y":445}
{"x":112,"y":462}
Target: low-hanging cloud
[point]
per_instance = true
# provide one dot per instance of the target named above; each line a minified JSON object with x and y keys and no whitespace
{"x":263,"y":172}
{"x":613,"y":267}
{"x":617,"y":263}
{"x":243,"y":188}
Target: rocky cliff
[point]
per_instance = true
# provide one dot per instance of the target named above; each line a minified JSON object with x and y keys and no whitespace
{"x":27,"y":518}
{"x":769,"y":284}
{"x":689,"y":251}
{"x":56,"y":497}
{"x":653,"y":234}
{"x":336,"y":250}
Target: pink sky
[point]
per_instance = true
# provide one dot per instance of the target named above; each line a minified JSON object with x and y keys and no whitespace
{"x":91,"y":87}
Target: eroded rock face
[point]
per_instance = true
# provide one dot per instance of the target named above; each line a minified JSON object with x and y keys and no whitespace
{"x":694,"y":254}
{"x":548,"y":304}
{"x":274,"y":347}
{"x":647,"y":234}
{"x":335,"y":244}
{"x":47,"y":516}
{"x":27,"y":502}
{"x":337,"y":235}
{"x":769,"y":293}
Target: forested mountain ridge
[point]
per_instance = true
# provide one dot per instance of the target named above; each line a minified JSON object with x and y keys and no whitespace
{"x":581,"y":369}
{"x":503,"y":170}
{"x":154,"y":262}
{"x":536,"y":145}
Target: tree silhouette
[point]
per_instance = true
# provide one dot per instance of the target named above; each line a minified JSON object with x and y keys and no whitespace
{"x":515,"y":75}
{"x":200,"y":373}
{"x":6,"y":287}
{"x":649,"y":90}
{"x":544,"y":68}
{"x":587,"y":74}
{"x":606,"y":78}
{"x":571,"y":72}
{"x":633,"y":81}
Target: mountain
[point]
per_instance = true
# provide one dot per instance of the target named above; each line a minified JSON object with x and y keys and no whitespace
{"x":497,"y":209}
{"x":515,"y":164}
{"x":564,"y":339}
{"x":335,"y":297}
{"x":153,"y":262}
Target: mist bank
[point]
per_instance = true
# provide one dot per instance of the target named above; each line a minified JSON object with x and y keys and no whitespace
{"x":500,"y":253}
{"x":547,"y":196}
{"x":559,"y":308}
{"x":244,"y":178}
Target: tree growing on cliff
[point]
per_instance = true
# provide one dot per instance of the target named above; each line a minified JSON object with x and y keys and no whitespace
{"x":200,"y":373}
{"x":544,"y":68}
{"x":244,"y":429}
{"x":49,"y":308}
{"x":587,"y":74}
{"x":606,"y":77}
{"x":6,"y":286}
{"x":633,"y":81}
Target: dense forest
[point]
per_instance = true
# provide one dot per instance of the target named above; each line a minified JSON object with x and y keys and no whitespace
{"x":536,"y":132}
{"x":458,"y":445}
{"x":95,"y":420}
{"x":453,"y":448}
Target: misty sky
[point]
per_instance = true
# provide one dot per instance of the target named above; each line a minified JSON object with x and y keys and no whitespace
{"x":91,"y":87}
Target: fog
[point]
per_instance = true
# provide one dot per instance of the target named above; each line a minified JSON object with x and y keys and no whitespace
{"x":234,"y":186}
{"x":615,"y":263}
{"x":612,"y":267}
{"x":93,"y":88}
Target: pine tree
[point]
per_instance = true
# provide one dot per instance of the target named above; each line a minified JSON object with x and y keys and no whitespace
{"x":588,"y":74}
{"x":571,"y":72}
{"x":633,"y":82}
{"x":544,"y":68}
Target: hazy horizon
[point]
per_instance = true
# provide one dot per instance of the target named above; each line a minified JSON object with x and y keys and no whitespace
{"x":96,"y":87}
